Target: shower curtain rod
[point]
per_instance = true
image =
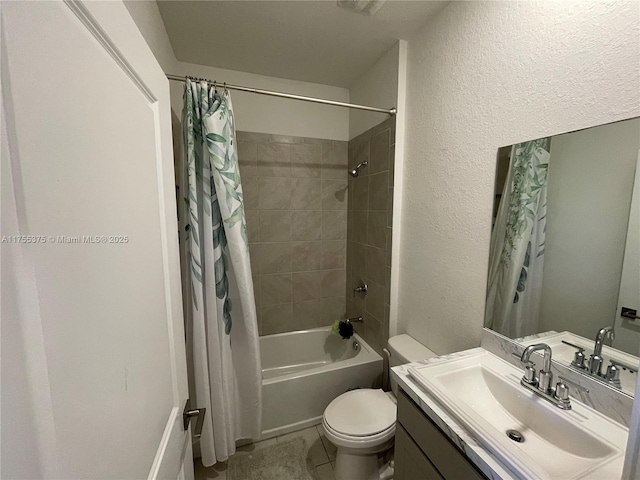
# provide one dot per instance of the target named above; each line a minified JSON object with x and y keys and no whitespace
{"x":388,"y":111}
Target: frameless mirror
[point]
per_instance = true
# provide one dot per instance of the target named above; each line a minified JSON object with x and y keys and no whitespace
{"x":565,"y":249}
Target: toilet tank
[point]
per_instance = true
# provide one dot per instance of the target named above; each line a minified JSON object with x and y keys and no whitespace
{"x":405,"y":349}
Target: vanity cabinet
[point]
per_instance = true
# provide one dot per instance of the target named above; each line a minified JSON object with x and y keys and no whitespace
{"x":423,"y":452}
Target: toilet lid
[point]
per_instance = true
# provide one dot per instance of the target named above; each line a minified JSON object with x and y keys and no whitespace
{"x":361,"y":413}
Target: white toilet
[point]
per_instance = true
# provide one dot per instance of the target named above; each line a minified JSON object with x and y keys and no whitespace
{"x":362,"y":423}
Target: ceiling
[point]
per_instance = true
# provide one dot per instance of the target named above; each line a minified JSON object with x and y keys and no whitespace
{"x":311,"y":41}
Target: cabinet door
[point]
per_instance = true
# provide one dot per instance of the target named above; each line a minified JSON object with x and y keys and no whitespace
{"x":411,"y":463}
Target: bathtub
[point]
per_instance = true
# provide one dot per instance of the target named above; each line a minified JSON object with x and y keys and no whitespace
{"x":302,"y":372}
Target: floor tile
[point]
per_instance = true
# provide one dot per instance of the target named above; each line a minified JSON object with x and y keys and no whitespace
{"x":216,"y":472}
{"x":316,"y":451}
{"x":329,"y":447}
{"x":325,"y":472}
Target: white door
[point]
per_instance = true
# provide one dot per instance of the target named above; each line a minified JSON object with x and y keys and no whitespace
{"x":93,"y":355}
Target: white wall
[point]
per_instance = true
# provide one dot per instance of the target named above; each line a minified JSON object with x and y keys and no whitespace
{"x":254,"y":113}
{"x":378,"y":87}
{"x":482,"y":75}
{"x":147,"y":17}
{"x":591,"y":175}
{"x":264,"y":114}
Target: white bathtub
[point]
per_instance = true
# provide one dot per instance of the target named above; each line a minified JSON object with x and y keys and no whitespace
{"x":302,"y":372}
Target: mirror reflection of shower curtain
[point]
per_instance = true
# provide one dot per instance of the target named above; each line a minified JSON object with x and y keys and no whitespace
{"x":221,"y":322}
{"x":516,"y":259}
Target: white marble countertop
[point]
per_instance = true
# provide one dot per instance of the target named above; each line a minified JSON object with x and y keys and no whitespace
{"x":476,"y":453}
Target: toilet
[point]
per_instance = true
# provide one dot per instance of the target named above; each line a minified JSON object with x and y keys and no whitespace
{"x":362,"y":423}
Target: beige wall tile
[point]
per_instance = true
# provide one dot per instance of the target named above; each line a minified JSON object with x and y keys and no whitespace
{"x":274,"y":193}
{"x":306,"y":161}
{"x":252,"y":137}
{"x":334,"y":194}
{"x":333,"y":309}
{"x":254,"y":258}
{"x":274,"y":258}
{"x":252,"y":218}
{"x":357,"y":262}
{"x":378,"y":190}
{"x":307,"y":286}
{"x":307,"y":314}
{"x":377,"y":229}
{"x":275,"y":226}
{"x":389,"y":236}
{"x":286,"y":139}
{"x":277,"y":318}
{"x":306,"y":225}
{"x":334,"y":254}
{"x":250,"y":193}
{"x":305,"y":194}
{"x":374,"y":302}
{"x":375,"y":264}
{"x":379,"y":153}
{"x":334,"y":225}
{"x":359,"y":233}
{"x":360,"y":195}
{"x":390,"y":207}
{"x":374,"y":335}
{"x":334,"y":162}
{"x":248,"y":158}
{"x":333,"y":283}
{"x":276,"y":289}
{"x":306,"y":256}
{"x":274,"y":160}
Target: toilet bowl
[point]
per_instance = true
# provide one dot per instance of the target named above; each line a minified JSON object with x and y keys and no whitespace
{"x":362,"y":423}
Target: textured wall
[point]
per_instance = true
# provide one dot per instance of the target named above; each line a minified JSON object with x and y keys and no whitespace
{"x":369,"y":231}
{"x":295,"y":193}
{"x":482,"y":75}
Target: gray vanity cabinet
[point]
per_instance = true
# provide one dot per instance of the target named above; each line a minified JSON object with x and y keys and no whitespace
{"x":423,"y":452}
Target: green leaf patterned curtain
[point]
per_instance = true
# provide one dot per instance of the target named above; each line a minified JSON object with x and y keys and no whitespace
{"x":223,"y":341}
{"x":516,"y":260}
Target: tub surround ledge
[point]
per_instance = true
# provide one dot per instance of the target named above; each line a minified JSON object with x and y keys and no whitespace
{"x":474,"y":451}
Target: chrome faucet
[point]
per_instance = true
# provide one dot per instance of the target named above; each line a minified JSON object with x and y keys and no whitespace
{"x":541,"y":385}
{"x":595,"y":360}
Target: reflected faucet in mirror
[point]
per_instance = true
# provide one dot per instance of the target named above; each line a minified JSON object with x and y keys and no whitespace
{"x":595,"y":361}
{"x":565,"y":207}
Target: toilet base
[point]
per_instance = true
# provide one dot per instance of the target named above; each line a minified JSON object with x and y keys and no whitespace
{"x":361,"y":464}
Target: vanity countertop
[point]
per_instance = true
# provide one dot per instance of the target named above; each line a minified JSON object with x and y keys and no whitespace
{"x":475,"y":452}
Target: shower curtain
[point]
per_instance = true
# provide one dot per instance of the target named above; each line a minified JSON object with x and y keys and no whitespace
{"x":516,"y":258}
{"x":222,"y":331}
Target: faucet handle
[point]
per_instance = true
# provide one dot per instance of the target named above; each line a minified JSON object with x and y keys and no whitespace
{"x":561,"y":394}
{"x":530,"y":375}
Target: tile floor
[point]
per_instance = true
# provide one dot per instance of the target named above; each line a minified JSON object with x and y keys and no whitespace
{"x":321,"y":452}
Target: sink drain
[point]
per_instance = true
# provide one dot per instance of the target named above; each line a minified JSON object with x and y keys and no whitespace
{"x":515,"y":435}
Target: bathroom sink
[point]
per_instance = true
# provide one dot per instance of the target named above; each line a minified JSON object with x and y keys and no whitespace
{"x":483,"y":392}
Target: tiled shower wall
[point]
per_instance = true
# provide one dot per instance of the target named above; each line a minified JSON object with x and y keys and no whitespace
{"x":369,"y":231}
{"x":295,"y":193}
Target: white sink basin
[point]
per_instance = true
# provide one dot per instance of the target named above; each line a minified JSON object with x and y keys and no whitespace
{"x":484,"y":393}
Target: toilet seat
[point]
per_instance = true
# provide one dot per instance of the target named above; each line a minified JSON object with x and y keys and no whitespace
{"x":360,"y":419}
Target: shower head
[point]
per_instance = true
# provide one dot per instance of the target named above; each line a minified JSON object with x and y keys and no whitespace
{"x":354,"y":172}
